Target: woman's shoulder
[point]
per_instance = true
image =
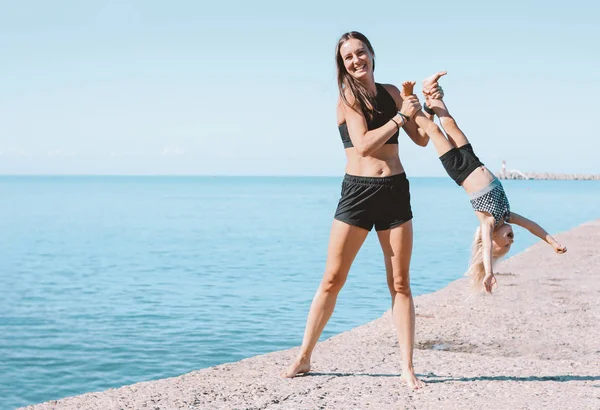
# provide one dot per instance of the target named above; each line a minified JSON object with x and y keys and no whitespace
{"x":393,"y":91}
{"x":348,"y":100}
{"x":390,"y":88}
{"x":339,"y":112}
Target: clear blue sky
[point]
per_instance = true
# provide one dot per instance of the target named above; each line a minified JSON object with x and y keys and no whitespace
{"x":248,"y":88}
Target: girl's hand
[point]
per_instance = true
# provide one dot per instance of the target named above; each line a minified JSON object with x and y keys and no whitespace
{"x":558,"y":248}
{"x":489,"y":281}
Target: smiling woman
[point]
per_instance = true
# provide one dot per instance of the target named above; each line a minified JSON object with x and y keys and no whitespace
{"x":375,"y":192}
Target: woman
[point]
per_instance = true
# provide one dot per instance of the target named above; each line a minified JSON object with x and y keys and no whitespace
{"x":375,"y":192}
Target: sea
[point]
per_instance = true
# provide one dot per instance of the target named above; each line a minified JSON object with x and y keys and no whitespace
{"x":111,"y":280}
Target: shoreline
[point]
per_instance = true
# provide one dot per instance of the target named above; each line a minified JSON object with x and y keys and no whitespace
{"x":546,"y":176}
{"x":531,"y":345}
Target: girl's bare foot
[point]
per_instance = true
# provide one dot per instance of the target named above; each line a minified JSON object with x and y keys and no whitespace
{"x":298,"y":366}
{"x":430,"y":82}
{"x":432,"y":91}
{"x":409,"y":377}
{"x":407,"y":88}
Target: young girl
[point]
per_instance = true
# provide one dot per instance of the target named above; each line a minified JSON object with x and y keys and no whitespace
{"x":494,"y":236}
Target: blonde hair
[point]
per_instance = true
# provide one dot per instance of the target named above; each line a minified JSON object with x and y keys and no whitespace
{"x":476,"y":271}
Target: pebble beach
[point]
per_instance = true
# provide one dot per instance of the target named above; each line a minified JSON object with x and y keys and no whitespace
{"x":533,"y":344}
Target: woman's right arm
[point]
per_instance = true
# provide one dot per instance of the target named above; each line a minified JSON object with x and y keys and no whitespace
{"x":366,"y":142}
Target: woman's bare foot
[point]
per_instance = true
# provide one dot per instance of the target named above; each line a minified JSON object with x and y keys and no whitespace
{"x":298,"y":366}
{"x":409,"y":377}
{"x":431,"y":82}
{"x":407,"y":88}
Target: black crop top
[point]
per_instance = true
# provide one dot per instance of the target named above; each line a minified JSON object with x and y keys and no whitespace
{"x":385,"y":109}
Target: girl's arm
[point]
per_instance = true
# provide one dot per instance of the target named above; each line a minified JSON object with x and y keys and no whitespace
{"x":366,"y":142}
{"x":487,"y":230}
{"x":537,"y":230}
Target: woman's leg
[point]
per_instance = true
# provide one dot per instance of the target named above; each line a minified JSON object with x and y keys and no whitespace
{"x":396,"y":244}
{"x":344,"y":243}
{"x":455,"y":134}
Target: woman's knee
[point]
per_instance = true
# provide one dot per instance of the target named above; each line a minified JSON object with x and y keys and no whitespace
{"x":333,"y":281}
{"x":401,"y":284}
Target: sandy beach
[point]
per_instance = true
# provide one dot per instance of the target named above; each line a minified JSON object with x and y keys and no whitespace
{"x":534,"y":344}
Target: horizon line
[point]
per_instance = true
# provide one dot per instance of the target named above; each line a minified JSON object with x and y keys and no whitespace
{"x":198,"y":175}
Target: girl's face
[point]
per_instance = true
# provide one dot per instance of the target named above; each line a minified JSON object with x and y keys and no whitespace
{"x":357,"y":58}
{"x":502,"y":240}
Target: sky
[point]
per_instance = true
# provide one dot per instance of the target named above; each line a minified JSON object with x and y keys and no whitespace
{"x":249,"y":88}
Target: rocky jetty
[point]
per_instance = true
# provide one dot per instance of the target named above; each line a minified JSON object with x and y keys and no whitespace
{"x":516,"y":174}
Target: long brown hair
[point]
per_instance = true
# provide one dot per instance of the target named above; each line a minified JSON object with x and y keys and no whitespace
{"x":476,"y":271}
{"x":347,"y":82}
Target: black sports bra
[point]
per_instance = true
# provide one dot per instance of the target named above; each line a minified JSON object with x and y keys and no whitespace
{"x":385,"y":108}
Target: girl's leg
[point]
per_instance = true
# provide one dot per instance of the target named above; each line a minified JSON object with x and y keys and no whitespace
{"x":396,"y":244}
{"x":344,"y":243}
{"x":441,"y":143}
{"x":455,"y":134}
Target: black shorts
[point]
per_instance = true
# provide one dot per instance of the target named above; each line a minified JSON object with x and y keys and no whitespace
{"x":367,"y":201}
{"x":460,"y":162}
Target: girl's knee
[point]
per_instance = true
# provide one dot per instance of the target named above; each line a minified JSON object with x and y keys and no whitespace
{"x":450,"y":122}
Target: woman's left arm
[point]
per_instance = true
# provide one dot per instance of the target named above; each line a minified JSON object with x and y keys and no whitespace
{"x":537,"y":230}
{"x":418,"y":135}
{"x":415,"y":133}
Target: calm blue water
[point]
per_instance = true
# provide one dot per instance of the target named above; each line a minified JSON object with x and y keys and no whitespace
{"x":108,"y":281}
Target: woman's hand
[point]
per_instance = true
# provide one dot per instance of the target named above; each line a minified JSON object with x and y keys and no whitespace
{"x":410,"y":106}
{"x":436,"y":92}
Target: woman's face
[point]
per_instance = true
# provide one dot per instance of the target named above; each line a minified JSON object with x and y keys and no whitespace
{"x":357,"y":58}
{"x":502,"y":240}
